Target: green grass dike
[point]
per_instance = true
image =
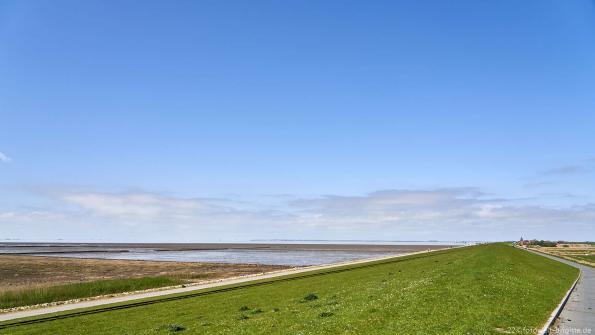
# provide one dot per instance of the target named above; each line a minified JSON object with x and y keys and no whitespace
{"x":485,"y":289}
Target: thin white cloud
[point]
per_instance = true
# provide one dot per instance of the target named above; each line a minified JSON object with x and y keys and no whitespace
{"x":31,"y":216}
{"x":568,"y":170}
{"x":555,"y":176}
{"x":132,"y":205}
{"x":439,"y":210}
{"x":4,"y":158}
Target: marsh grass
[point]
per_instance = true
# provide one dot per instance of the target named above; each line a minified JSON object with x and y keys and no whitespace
{"x":590,"y":258}
{"x":41,"y":295}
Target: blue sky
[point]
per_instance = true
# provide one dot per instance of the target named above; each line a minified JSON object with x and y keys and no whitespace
{"x":228,"y":121}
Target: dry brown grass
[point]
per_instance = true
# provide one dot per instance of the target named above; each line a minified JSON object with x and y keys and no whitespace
{"x":580,"y":253}
{"x":20,"y":272}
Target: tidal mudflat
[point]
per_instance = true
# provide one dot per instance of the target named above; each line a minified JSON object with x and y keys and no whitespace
{"x":231,"y":253}
{"x":38,"y":273}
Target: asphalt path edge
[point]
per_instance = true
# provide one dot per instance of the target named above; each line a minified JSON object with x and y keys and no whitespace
{"x":545,"y":330}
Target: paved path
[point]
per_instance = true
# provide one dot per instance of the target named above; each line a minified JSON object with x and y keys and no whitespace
{"x":578,"y":316}
{"x":237,"y":280}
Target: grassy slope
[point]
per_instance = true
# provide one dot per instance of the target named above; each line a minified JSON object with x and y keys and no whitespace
{"x":81,"y":290}
{"x":471,"y":290}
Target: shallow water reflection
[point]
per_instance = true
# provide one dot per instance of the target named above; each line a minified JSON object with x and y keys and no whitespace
{"x":269,"y":257}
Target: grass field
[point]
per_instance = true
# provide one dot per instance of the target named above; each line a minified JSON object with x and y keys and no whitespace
{"x":42,"y":295}
{"x":487,"y":289}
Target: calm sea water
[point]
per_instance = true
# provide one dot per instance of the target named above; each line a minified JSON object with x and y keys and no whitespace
{"x":269,"y":257}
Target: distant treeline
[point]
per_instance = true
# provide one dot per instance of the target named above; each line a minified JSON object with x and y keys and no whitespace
{"x":543,"y":243}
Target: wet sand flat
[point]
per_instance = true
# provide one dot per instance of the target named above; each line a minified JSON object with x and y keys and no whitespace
{"x":32,"y":248}
{"x":22,"y":265}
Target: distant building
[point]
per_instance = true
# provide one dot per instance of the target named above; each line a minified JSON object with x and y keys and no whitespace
{"x":524,"y":243}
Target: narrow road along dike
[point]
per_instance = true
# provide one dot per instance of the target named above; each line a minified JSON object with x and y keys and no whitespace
{"x":578,"y":316}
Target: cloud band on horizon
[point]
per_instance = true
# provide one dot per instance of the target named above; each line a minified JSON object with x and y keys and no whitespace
{"x":442,"y":213}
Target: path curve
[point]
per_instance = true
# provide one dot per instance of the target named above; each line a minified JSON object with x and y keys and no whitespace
{"x":578,"y":316}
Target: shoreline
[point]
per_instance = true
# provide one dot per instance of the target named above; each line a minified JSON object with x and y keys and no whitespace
{"x":159,"y":247}
{"x":199,"y":286}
